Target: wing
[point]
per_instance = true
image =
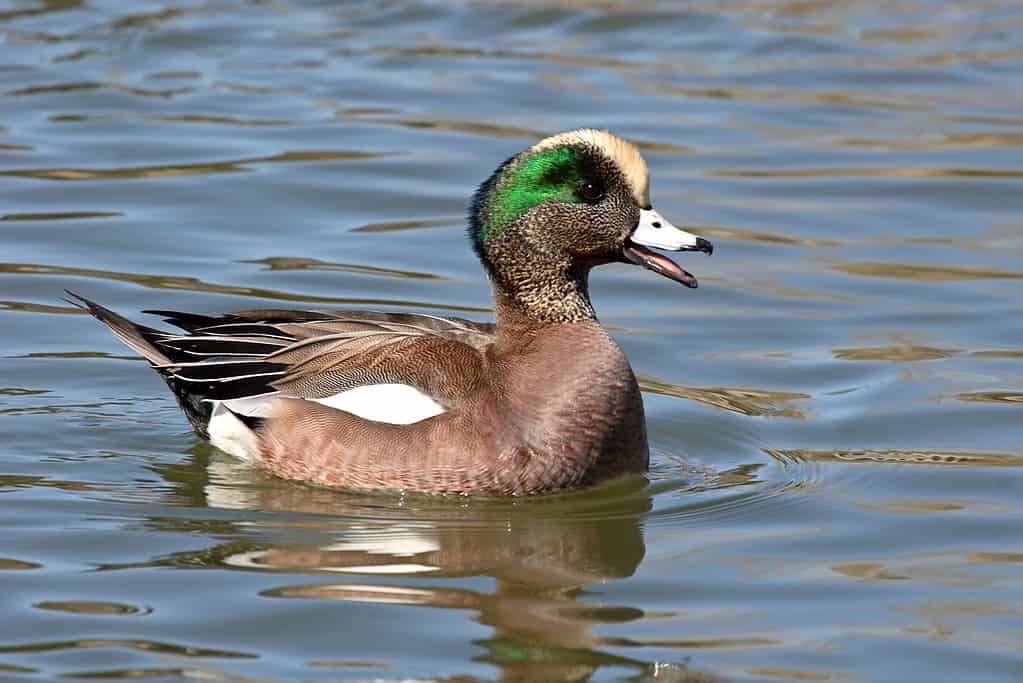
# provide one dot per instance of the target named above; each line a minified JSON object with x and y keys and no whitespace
{"x":358,"y":361}
{"x":320,"y":354}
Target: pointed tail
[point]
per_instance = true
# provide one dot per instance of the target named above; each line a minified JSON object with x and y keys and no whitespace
{"x":134,"y":335}
{"x":140,"y":338}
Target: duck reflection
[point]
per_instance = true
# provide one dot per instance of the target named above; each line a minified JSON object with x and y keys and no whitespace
{"x":540,"y":553}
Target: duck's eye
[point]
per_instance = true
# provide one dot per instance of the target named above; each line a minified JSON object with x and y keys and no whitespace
{"x":591,"y":193}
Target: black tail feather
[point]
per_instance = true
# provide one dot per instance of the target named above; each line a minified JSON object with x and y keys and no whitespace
{"x":194,"y":387}
{"x":186,"y":321}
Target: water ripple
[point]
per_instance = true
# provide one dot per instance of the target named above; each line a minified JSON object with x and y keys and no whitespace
{"x":906,"y":457}
{"x":192,"y":284}
{"x":850,"y":366}
{"x":126,"y":643}
{"x":92,"y":607}
{"x":748,"y":401}
{"x":172,"y":170}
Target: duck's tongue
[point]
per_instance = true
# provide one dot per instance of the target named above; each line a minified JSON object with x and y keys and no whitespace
{"x":658,"y":263}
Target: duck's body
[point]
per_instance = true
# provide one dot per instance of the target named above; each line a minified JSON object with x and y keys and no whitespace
{"x":544,"y":400}
{"x":505,"y":433}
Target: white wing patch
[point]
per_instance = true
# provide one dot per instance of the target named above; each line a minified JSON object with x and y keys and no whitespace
{"x":397,"y":404}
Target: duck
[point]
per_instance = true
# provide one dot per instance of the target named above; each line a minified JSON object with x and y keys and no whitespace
{"x":538,"y":401}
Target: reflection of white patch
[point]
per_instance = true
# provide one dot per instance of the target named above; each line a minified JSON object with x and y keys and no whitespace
{"x":397,"y":404}
{"x":387,"y":595}
{"x":256,"y":559}
{"x":247,"y":560}
{"x":654,"y":231}
{"x":230,"y":485}
{"x":373,"y":588}
{"x":405,"y":545}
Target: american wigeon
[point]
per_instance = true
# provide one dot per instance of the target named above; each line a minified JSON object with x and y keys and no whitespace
{"x":542,"y":400}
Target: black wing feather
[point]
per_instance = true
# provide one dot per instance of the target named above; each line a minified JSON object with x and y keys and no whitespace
{"x":239,"y":355}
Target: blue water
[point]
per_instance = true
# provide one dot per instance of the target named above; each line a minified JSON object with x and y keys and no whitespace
{"x":835,"y":414}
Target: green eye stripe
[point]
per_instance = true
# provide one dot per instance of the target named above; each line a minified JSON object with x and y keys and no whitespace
{"x":549,"y":174}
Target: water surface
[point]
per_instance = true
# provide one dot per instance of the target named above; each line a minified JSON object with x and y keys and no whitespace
{"x":835,"y":414}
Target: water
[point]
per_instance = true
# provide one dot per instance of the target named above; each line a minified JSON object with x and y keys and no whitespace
{"x":835,"y":414}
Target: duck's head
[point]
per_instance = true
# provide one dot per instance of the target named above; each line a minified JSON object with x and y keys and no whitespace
{"x":570,"y":202}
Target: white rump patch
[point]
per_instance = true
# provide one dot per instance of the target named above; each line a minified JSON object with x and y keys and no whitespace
{"x":230,"y":434}
{"x":397,"y":404}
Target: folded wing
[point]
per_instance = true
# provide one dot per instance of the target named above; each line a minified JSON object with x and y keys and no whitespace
{"x":393,"y":367}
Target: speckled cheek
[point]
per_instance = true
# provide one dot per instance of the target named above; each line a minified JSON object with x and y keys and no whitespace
{"x":632,"y":218}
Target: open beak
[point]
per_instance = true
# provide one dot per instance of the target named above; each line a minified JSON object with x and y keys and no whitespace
{"x":654,"y":231}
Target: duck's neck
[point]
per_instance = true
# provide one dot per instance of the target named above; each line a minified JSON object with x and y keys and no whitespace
{"x":533,"y":290}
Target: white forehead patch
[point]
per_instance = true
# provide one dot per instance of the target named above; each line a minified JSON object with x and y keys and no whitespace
{"x":623,"y":153}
